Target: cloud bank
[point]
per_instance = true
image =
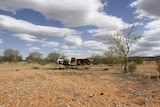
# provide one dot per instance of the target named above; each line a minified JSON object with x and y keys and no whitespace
{"x":83,"y":13}
{"x":87,"y":12}
{"x":147,"y":8}
{"x":150,"y":41}
{"x":21,"y":26}
{"x":1,"y":41}
{"x":32,"y":38}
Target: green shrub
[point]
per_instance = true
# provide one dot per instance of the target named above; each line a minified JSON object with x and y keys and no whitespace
{"x":158,"y":67}
{"x":136,"y":59}
{"x":157,"y":60}
{"x":131,"y":67}
{"x":35,"y":67}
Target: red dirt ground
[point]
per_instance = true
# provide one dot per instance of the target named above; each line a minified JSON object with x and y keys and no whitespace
{"x":44,"y":86}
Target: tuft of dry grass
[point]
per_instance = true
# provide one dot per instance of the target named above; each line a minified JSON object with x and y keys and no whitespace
{"x":35,"y":67}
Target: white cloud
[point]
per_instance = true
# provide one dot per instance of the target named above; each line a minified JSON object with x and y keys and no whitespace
{"x":76,"y":53}
{"x":87,"y":49}
{"x":32,"y":38}
{"x":152,"y":31}
{"x":101,"y":19}
{"x":32,"y":49}
{"x":1,"y":41}
{"x":95,"y":46}
{"x":65,"y":47}
{"x":29,"y":44}
{"x":21,"y":26}
{"x":69,"y":12}
{"x":153,"y":25}
{"x":72,"y":41}
{"x":150,"y":41}
{"x":143,"y":50}
{"x":26,"y":37}
{"x":50,"y":44}
{"x":71,"y":52}
{"x":102,"y":34}
{"x":149,"y":44}
{"x":147,"y":8}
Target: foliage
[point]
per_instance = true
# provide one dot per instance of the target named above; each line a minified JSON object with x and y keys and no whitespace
{"x":121,"y":43}
{"x":131,"y":67}
{"x":62,"y":56}
{"x":158,"y":63}
{"x":158,"y":68}
{"x":1,"y":59}
{"x":97,"y":59}
{"x":111,"y":57}
{"x":34,"y":57}
{"x":136,"y":59}
{"x":12,"y":55}
{"x":53,"y":56}
{"x":35,"y":67}
{"x":107,"y":58}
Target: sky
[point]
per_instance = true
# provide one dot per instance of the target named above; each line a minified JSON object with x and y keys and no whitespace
{"x":77,"y":28}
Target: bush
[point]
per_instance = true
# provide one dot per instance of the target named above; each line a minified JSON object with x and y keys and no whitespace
{"x":35,"y":67}
{"x":132,"y":67}
{"x":158,"y":67}
{"x":136,"y":59}
{"x":157,"y":60}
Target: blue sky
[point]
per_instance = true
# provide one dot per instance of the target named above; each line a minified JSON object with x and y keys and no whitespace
{"x":77,"y":28}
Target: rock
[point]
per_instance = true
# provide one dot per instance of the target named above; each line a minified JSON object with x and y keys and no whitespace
{"x":101,"y":94}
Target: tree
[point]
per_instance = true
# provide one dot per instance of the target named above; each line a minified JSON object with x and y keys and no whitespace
{"x":34,"y":57}
{"x":12,"y":55}
{"x":53,"y":56}
{"x":157,"y":60}
{"x":111,"y":57}
{"x":121,"y":43}
{"x":1,"y":59}
{"x":97,"y":59}
{"x":136,"y":59}
{"x":62,"y":56}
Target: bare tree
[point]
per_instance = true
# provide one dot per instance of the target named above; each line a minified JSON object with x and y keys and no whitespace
{"x":121,"y":43}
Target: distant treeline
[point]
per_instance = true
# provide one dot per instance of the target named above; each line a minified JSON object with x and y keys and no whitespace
{"x":14,"y":56}
{"x":97,"y":59}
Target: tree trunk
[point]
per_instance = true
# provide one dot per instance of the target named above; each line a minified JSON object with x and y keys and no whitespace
{"x":125,"y":65}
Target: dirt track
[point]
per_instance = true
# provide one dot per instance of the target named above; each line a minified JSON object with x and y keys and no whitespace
{"x":23,"y":86}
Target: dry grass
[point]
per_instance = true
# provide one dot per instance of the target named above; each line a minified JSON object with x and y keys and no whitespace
{"x":24,"y":86}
